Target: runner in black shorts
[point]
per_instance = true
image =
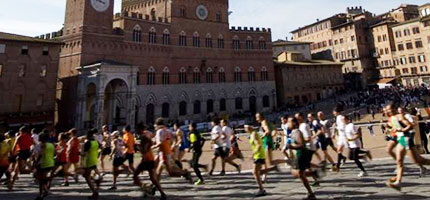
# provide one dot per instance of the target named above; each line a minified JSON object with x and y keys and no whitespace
{"x":118,"y":157}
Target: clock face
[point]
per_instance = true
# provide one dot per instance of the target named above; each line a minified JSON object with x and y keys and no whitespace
{"x":100,"y":5}
{"x":202,"y":12}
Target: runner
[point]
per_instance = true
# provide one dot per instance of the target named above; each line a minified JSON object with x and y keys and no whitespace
{"x":35,"y":148}
{"x":147,"y":164}
{"x":353,"y":134}
{"x":325,"y":139}
{"x":218,"y":137}
{"x":46,"y":164}
{"x":118,"y":157}
{"x":301,"y":169}
{"x":267,"y":131}
{"x":163,"y":143}
{"x":288,"y":153}
{"x":106,"y":146}
{"x":11,"y":138}
{"x":90,"y":159}
{"x":73,"y":152}
{"x":197,"y":143}
{"x":129,"y":142}
{"x":341,"y":137}
{"x":178,"y":145}
{"x":258,"y":155}
{"x":228,"y":132}
{"x":62,"y":159}
{"x":4,"y":160}
{"x":235,"y":152}
{"x":22,"y":145}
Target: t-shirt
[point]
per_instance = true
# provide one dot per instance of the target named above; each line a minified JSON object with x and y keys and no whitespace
{"x":217,"y":131}
{"x":340,"y":126}
{"x":257,"y":149}
{"x":327,"y":125}
{"x":351,"y":131}
{"x":196,"y":140}
{"x":164,"y":136}
{"x":228,"y":132}
{"x":306,"y":131}
{"x":129,"y":141}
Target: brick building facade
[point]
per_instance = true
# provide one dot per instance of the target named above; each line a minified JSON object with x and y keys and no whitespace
{"x":28,"y":79}
{"x":159,"y":58}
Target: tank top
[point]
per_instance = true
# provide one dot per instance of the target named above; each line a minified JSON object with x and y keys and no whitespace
{"x":147,"y":153}
{"x":92,"y":154}
{"x":74,"y":147}
{"x":395,"y":124}
{"x":61,"y":152}
{"x":4,"y":153}
{"x":166,"y":141}
{"x":25,"y":142}
{"x":257,"y":153}
{"x":47,"y":159}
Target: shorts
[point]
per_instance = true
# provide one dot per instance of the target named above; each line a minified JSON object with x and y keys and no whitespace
{"x":48,"y":169}
{"x":304,"y":160}
{"x":220,"y":152}
{"x":341,"y":142}
{"x":324,"y":142}
{"x":260,"y":161}
{"x":118,"y":161}
{"x":24,"y":154}
{"x":354,"y":153}
{"x":268,"y":143}
{"x":106,"y":151}
{"x":12,"y":159}
{"x":182,"y":148}
{"x":90,"y":168}
{"x":129,"y":157}
{"x":74,"y":159}
{"x":60,"y":163}
{"x":146,"y":166}
{"x":391,"y":138}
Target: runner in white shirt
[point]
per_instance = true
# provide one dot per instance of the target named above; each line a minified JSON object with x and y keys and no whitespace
{"x":228,"y":132}
{"x":353,"y":135}
{"x":341,"y":138}
{"x":288,"y":153}
{"x":218,"y":138}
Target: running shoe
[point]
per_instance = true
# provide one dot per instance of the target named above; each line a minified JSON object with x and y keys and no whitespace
{"x":239,"y":168}
{"x":188,"y":177}
{"x":222,"y":173}
{"x":316,"y":184}
{"x":66,"y":184}
{"x":423,"y":171}
{"x":362,"y":174}
{"x":112,"y":188}
{"x":199,"y":182}
{"x":334,"y":169}
{"x":163,"y":197}
{"x":397,"y":186}
{"x":310,"y":197}
{"x":369,"y":155}
{"x":261,"y":193}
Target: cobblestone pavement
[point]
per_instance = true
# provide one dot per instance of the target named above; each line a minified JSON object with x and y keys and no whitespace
{"x":343,"y":185}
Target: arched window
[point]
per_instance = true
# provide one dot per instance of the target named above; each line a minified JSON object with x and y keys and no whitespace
{"x":152,"y":36}
{"x":239,"y":103}
{"x":237,"y":75}
{"x":182,"y":76}
{"x":151,"y":76}
{"x":182,"y":39}
{"x":251,"y":74}
{"x":249,"y":43}
{"x":196,"y":40}
{"x":264,"y":75}
{"x":221,"y":75}
{"x":182,"y":108}
{"x":266,"y":101}
{"x":137,"y":34}
{"x":166,"y":37}
{"x":210,"y":106}
{"x":165,"y":76}
{"x":197,"y":107}
{"x":262,"y":43}
{"x":209,"y":75}
{"x":150,"y":113}
{"x":220,"y":42}
{"x":196,"y":75}
{"x":153,"y":17}
{"x":222,"y":105}
{"x":236,"y":42}
{"x":165,"y":110}
{"x":208,"y":41}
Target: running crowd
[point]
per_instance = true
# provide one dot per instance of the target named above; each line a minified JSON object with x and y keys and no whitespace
{"x":307,"y":140}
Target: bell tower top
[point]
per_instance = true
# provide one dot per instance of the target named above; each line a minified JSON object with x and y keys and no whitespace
{"x":94,"y":16}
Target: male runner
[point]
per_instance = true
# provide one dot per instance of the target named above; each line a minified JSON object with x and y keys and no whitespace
{"x":227,"y":143}
{"x":341,"y":137}
{"x":353,"y":135}
{"x":218,"y":137}
{"x":197,"y":143}
{"x":90,"y":160}
{"x":129,"y":142}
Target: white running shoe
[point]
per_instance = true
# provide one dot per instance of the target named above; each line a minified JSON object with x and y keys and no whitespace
{"x":362,"y":174}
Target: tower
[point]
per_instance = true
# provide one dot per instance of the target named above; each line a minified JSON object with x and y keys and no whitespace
{"x":88,"y":16}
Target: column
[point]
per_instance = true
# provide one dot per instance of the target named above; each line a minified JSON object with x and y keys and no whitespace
{"x":100,"y":98}
{"x":130,"y":115}
{"x":80,"y":106}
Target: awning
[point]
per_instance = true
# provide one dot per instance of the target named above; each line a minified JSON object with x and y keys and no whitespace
{"x":386,"y":80}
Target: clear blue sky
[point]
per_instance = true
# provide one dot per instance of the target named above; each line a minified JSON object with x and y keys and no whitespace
{"x":35,"y":17}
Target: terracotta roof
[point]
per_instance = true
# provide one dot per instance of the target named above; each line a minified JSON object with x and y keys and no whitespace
{"x":340,"y":15}
{"x":22,"y":38}
{"x":310,"y":63}
{"x":406,"y":22}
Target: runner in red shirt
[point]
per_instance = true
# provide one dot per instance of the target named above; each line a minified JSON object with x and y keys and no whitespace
{"x":62,"y":158}
{"x":22,"y":146}
{"x":73,"y":151}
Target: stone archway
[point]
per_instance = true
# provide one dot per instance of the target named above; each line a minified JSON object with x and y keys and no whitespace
{"x":114,"y":109}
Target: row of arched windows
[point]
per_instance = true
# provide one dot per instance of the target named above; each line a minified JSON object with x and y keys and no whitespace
{"x":208,"y":76}
{"x":208,"y":42}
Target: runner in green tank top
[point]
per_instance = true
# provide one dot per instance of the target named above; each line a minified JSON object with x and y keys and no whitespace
{"x":45,"y":166}
{"x":91,"y":151}
{"x":258,"y":154}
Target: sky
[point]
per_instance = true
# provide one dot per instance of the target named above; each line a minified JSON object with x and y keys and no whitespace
{"x":36,"y":17}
